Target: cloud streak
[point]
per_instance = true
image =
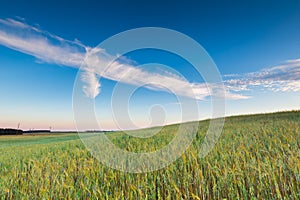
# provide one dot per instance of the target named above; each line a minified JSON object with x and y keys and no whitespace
{"x":50,"y":48}
{"x":42,"y":45}
{"x":95,"y":62}
{"x":105,"y":65}
{"x":280,"y":78}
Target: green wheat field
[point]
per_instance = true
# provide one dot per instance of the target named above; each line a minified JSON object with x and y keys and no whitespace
{"x":256,"y":157}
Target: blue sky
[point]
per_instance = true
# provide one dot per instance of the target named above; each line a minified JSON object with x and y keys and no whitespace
{"x":255,"y":45}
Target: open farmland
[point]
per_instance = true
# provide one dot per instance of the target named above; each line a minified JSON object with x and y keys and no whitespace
{"x":256,"y":157}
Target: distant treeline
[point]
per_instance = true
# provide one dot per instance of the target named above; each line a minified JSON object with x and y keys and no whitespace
{"x":10,"y":131}
{"x":37,"y":131}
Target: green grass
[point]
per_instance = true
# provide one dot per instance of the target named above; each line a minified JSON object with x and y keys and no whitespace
{"x":10,"y":141}
{"x":256,"y":157}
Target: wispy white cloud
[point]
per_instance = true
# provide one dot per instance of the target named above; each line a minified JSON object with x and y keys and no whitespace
{"x":280,"y":78}
{"x":92,"y":86}
{"x":109,"y":67}
{"x":42,"y":45}
{"x":50,"y":48}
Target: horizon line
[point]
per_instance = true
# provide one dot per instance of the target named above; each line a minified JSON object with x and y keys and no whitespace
{"x":170,"y":124}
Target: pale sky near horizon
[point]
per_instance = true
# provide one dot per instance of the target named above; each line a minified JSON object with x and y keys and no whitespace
{"x":254,"y":44}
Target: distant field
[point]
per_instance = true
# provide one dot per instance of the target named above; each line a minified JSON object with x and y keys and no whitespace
{"x":31,"y":139}
{"x":256,"y":157}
